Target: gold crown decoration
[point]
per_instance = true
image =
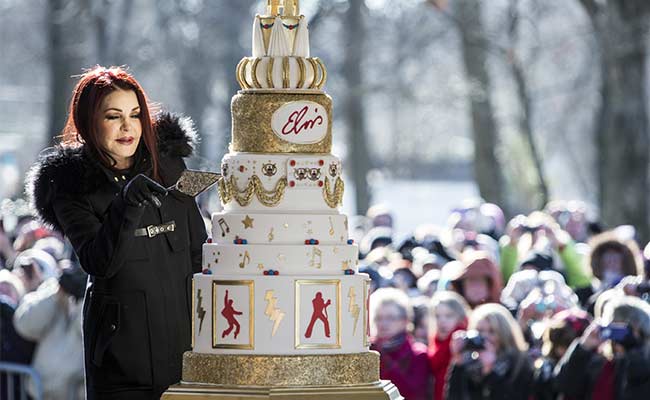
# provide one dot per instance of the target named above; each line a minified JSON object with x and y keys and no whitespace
{"x":284,"y":8}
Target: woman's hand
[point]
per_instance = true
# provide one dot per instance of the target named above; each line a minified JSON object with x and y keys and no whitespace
{"x":142,"y":190}
{"x":487,"y":358}
{"x":456,"y":345}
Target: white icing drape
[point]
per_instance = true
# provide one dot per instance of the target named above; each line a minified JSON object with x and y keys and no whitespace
{"x":301,"y":46}
{"x":258,"y":39}
{"x":278,"y":45}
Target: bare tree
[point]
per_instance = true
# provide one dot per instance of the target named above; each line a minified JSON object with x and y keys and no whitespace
{"x":65,"y":57}
{"x":353,"y":111}
{"x":620,"y":28}
{"x":467,"y":14}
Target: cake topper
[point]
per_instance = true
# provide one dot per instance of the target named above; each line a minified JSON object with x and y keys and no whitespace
{"x":285,"y":8}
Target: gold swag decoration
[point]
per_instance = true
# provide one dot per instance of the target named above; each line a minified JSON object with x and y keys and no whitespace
{"x":228,"y":190}
{"x":333,"y":198}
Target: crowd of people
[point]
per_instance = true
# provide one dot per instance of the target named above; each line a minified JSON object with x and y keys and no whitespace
{"x":545,"y":306}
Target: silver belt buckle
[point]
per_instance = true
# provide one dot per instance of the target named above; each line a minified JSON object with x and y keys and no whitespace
{"x":154,"y":230}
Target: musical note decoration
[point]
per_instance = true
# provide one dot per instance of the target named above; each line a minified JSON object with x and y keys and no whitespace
{"x":332,"y":231}
{"x":224,"y":227}
{"x":246,"y":259}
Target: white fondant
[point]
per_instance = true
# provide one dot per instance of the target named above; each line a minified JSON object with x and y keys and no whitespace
{"x":301,"y":44}
{"x":280,"y":228}
{"x":296,"y":199}
{"x":258,"y":39}
{"x":254,"y":259}
{"x":300,"y":122}
{"x":283,"y":291}
{"x":278,"y":44}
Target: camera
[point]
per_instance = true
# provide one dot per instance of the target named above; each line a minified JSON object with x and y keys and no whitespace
{"x":620,"y":333}
{"x":473,"y":341}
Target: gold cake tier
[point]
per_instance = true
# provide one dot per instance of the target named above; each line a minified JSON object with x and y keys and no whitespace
{"x":253,"y":116}
{"x":301,"y":371}
{"x":380,"y":390}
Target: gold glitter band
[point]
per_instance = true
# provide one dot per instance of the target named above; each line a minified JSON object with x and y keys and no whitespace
{"x":229,"y":190}
{"x":307,"y":370}
{"x":380,"y":390}
{"x":333,"y":198}
{"x":251,"y":123}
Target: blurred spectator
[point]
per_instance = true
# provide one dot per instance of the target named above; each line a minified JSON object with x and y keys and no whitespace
{"x":612,"y":358}
{"x":540,"y":233}
{"x":28,"y":233}
{"x":420,"y":307}
{"x":53,"y":246}
{"x":51,"y":316}
{"x":13,"y":348}
{"x":428,"y":283}
{"x":563,"y":328}
{"x":380,"y":216}
{"x":403,"y":361}
{"x":489,"y":361}
{"x":34,"y":267}
{"x":449,"y":313}
{"x":404,"y":279}
{"x":375,"y":238}
{"x":476,"y":278}
{"x":611,"y":259}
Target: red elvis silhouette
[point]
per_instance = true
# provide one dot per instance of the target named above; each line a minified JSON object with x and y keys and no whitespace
{"x":320,"y":312}
{"x":229,"y":313}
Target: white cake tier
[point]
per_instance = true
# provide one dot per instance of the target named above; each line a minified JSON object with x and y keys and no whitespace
{"x":279,"y":228}
{"x":280,"y":315}
{"x":281,"y":182}
{"x":254,"y":259}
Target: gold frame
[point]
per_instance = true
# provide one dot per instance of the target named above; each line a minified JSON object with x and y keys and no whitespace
{"x":193,"y":311}
{"x":366,"y":312}
{"x":297,"y":284}
{"x":251,"y":320}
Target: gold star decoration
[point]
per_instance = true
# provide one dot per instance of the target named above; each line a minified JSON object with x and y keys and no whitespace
{"x":248,"y":222}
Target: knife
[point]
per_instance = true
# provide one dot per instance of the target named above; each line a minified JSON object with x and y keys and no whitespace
{"x":193,"y":183}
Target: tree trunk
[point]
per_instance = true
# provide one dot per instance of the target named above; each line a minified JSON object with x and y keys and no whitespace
{"x":353,"y":113}
{"x":65,"y":60}
{"x":622,"y":134}
{"x":487,"y":170}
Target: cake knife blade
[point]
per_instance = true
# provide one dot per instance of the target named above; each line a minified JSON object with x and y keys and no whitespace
{"x":193,"y":183}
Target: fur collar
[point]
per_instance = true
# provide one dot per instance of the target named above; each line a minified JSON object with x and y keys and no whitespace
{"x":70,"y":171}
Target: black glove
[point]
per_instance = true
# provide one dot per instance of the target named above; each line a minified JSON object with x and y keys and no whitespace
{"x":142,"y":190}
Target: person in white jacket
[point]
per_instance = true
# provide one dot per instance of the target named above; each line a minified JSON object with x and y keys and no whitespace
{"x":51,"y":316}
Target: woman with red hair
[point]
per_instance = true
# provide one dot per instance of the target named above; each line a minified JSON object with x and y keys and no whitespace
{"x":103,"y":187}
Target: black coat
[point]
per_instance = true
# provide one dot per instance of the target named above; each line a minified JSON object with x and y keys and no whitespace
{"x":579,"y":369}
{"x":510,"y":379}
{"x":137,"y":308}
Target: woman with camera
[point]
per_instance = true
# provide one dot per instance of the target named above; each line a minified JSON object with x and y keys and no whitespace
{"x":104,"y":188}
{"x":612,"y":358}
{"x":489,"y":361}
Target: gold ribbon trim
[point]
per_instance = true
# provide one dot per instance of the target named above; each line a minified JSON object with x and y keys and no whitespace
{"x":228,"y":190}
{"x":333,"y":198}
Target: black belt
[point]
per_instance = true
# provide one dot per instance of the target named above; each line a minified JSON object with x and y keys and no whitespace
{"x":154,"y":230}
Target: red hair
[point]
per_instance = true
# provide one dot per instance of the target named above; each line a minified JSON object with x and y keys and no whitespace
{"x":81,"y":127}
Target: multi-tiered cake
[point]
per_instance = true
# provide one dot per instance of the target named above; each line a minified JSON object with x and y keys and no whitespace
{"x":280,"y":302}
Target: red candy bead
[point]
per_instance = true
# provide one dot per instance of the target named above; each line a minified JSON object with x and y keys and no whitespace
{"x":321,"y":162}
{"x":292,"y":163}
{"x":292,"y":183}
{"x":320,"y":183}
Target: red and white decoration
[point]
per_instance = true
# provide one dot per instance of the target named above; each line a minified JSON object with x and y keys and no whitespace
{"x":300,"y":122}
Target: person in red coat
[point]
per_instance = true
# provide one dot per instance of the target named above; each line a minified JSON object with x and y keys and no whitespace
{"x":402,"y":360}
{"x":449,"y":313}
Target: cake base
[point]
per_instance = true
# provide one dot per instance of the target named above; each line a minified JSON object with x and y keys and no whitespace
{"x":369,"y":391}
{"x":298,"y":371}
